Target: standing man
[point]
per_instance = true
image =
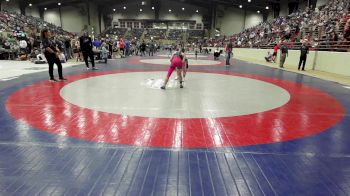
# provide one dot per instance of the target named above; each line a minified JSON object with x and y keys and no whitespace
{"x":304,"y":50}
{"x":86,"y":49}
{"x":68,"y":46}
{"x":284,"y":54}
{"x":122,"y":48}
{"x":143,"y":48}
{"x":127,"y":47}
{"x":151,"y":49}
{"x":228,"y":51}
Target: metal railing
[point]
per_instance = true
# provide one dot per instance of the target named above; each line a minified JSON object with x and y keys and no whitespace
{"x":338,"y":46}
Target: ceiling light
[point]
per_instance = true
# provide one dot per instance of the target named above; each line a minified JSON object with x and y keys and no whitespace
{"x":113,"y":10}
{"x":124,"y":8}
{"x":152,"y":7}
{"x":240,"y":6}
{"x":258,"y":12}
{"x":249,"y":1}
{"x":140,"y":10}
{"x":267,"y":7}
{"x":169,"y":10}
{"x":197,"y":11}
{"x":30,"y":5}
{"x":143,"y":3}
{"x":58,"y":3}
{"x":183,"y":9}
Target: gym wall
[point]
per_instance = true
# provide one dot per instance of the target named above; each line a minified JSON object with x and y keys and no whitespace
{"x":235,"y":20}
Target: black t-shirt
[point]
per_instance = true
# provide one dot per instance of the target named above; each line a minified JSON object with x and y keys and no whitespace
{"x":48,"y":43}
{"x":304,"y":50}
{"x":143,"y":46}
{"x":67,"y":44}
{"x":85,"y":44}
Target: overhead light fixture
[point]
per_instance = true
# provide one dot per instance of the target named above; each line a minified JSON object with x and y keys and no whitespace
{"x":143,"y":3}
{"x":240,"y":6}
{"x":197,"y":11}
{"x":267,"y":7}
{"x":45,"y":8}
{"x":30,"y":5}
{"x":114,"y":10}
{"x":169,"y":10}
{"x":58,"y":3}
{"x":183,"y":9}
{"x":258,"y":12}
{"x":124,"y":8}
{"x":140,"y":10}
{"x":7,"y":0}
{"x":152,"y":7}
{"x":249,"y":1}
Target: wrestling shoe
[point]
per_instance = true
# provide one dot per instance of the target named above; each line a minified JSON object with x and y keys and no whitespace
{"x":63,"y":79}
{"x":53,"y":80}
{"x":94,"y":68}
{"x":163,"y":87}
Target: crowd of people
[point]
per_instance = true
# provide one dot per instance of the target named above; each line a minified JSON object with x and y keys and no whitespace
{"x":326,"y":24}
{"x":20,"y":35}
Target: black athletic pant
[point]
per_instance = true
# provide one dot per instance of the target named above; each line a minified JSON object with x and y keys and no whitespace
{"x":52,"y":59}
{"x":90,"y":55}
{"x":302,"y":61}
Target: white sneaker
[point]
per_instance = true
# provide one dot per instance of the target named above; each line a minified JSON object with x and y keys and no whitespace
{"x":88,"y":68}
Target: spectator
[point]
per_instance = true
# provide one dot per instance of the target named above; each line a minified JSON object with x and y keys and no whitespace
{"x":68,"y":47}
{"x":104,"y":52}
{"x":275,"y":50}
{"x":86,"y":49}
{"x":122,"y":48}
{"x":284,"y":54}
{"x":51,"y":54}
{"x":228,"y":51}
{"x":304,"y":50}
{"x":143,"y":48}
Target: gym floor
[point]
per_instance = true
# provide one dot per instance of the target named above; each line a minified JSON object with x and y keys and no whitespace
{"x":245,"y":129}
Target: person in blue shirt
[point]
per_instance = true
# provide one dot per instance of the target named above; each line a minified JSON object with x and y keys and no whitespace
{"x":127,"y":47}
{"x":97,"y":43}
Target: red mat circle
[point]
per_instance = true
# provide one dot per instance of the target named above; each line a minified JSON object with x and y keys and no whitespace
{"x":309,"y":111}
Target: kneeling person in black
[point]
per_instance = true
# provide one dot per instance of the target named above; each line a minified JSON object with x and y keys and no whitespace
{"x":86,"y":49}
{"x":51,"y":53}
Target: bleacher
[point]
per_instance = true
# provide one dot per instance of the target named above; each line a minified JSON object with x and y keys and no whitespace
{"x":155,"y":33}
{"x":175,"y":34}
{"x":134,"y":33}
{"x":115,"y":31}
{"x":15,"y":27}
{"x":323,"y":28}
